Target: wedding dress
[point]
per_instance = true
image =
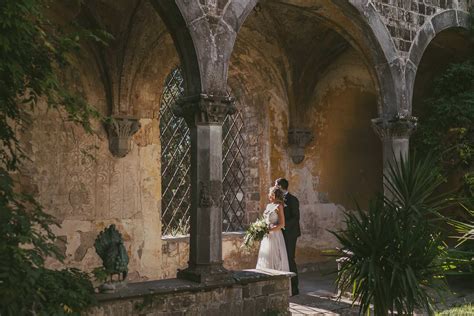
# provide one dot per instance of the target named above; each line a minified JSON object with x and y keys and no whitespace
{"x":272,"y":253}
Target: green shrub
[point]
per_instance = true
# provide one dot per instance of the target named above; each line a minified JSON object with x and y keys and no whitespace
{"x":31,"y":50}
{"x":397,"y":255}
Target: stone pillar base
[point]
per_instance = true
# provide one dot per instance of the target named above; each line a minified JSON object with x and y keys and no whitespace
{"x":207,"y":274}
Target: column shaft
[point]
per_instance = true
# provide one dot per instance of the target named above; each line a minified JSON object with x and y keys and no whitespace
{"x":204,"y":115}
{"x":395,"y":136}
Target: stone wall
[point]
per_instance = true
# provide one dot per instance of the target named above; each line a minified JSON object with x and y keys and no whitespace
{"x":404,"y":18}
{"x":253,"y":293}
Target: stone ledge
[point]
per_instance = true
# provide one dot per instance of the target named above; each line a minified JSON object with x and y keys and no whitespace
{"x":168,"y":286}
{"x":254,"y":292}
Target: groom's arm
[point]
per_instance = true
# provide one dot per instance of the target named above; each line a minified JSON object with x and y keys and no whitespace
{"x":294,"y":218}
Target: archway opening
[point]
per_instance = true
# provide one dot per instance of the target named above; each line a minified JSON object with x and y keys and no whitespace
{"x":444,"y":118}
{"x":293,"y":69}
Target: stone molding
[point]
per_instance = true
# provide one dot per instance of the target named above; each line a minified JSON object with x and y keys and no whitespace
{"x":120,"y":131}
{"x":298,"y":139}
{"x":205,"y":109}
{"x":401,"y":126}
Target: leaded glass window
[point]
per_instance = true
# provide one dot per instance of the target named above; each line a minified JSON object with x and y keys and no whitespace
{"x":175,"y":161}
{"x":176,"y":165}
{"x":233,"y":178}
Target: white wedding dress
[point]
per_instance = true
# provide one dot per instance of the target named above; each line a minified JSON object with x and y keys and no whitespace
{"x":272,"y":253}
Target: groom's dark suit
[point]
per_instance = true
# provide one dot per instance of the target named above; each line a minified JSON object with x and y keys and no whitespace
{"x":291,"y":233}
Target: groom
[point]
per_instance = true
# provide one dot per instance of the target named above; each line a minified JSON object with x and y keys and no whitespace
{"x":292,"y":229}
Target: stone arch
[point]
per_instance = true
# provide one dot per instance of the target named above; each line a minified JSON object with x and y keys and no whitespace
{"x":449,"y":19}
{"x":362,"y":27}
{"x":201,"y":31}
{"x":177,"y":26}
{"x":384,"y":57}
{"x":276,"y":43}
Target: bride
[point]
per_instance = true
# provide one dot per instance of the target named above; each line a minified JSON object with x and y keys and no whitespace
{"x":272,"y":253}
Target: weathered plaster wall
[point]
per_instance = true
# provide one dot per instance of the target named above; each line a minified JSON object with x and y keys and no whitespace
{"x":79,"y":182}
{"x":345,"y":159}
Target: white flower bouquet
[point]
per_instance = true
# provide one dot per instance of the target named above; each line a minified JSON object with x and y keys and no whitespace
{"x":255,"y":232}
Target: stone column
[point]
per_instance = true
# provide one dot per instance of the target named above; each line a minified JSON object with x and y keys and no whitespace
{"x":204,"y":115}
{"x":395,"y":135}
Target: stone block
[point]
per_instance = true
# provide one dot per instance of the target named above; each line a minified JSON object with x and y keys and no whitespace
{"x":282,"y":285}
{"x":174,"y":302}
{"x":268,"y":289}
{"x":278,"y":302}
{"x":254,"y":289}
{"x":420,"y":43}
{"x":249,"y":307}
{"x":261,"y":304}
{"x":203,"y":298}
{"x":227,"y":294}
{"x":444,"y":20}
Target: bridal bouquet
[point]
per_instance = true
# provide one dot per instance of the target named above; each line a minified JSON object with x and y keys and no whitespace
{"x":256,"y":231}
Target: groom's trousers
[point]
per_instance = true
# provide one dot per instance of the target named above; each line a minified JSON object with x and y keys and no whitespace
{"x":290,"y":242}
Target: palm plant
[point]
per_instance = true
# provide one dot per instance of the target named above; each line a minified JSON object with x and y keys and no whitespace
{"x":463,"y":252}
{"x":397,"y":253}
{"x":465,"y":229}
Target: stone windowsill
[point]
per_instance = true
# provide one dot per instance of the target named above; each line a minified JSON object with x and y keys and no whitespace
{"x":225,"y":236}
{"x":141,"y":289}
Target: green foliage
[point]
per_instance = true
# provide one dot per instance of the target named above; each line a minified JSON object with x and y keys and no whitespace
{"x":100,"y":273}
{"x":465,"y":228}
{"x":462,"y":255}
{"x":447,"y":129}
{"x":464,"y":310}
{"x":31,"y":50}
{"x":397,"y":255}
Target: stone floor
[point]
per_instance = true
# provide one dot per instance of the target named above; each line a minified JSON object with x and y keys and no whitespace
{"x":318,"y":297}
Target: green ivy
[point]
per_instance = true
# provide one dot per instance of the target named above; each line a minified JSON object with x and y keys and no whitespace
{"x":32,"y":49}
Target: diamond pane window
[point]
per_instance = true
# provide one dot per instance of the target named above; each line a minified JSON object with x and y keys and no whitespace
{"x":175,"y":161}
{"x":176,"y":165}
{"x":233,"y":175}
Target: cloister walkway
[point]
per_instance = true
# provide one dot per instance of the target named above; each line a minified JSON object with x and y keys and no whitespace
{"x":318,"y":297}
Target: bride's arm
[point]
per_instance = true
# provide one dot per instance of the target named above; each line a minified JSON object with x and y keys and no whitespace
{"x":281,"y":219}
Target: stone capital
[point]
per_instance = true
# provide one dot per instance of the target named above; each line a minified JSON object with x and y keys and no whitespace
{"x":400,"y":126}
{"x":120,"y":131}
{"x":298,"y":139}
{"x":204,"y":109}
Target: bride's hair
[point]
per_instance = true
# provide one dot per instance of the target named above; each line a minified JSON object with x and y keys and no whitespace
{"x":278,"y":193}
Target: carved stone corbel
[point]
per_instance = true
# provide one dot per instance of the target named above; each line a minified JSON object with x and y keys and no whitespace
{"x":298,"y":139}
{"x":120,"y":131}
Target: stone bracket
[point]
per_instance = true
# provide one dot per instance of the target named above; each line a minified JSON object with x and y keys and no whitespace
{"x":204,"y":109}
{"x":400,"y":126}
{"x":120,"y":131}
{"x":298,"y":139}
